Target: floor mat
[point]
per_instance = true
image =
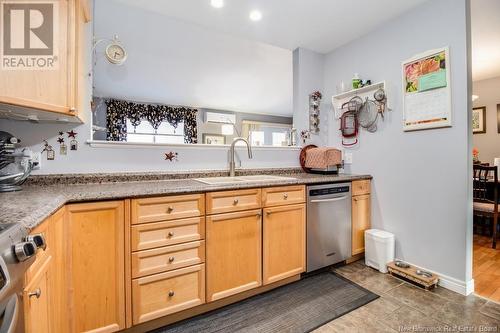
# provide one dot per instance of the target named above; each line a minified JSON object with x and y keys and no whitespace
{"x":299,"y":307}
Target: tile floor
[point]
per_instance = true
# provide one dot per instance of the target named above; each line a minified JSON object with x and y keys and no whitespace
{"x":486,"y":269}
{"x":405,"y":308}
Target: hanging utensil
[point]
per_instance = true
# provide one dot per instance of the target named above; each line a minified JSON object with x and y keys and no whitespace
{"x":367,"y":114}
{"x":380,"y":98}
{"x":349,"y":128}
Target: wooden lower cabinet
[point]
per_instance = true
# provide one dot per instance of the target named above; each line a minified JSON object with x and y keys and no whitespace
{"x":284,"y":242}
{"x":38,"y":298}
{"x":361,"y":221}
{"x":233,"y":253}
{"x":96,"y":258}
{"x":161,"y":294}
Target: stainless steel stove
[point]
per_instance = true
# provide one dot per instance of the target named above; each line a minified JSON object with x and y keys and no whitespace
{"x":17,"y":253}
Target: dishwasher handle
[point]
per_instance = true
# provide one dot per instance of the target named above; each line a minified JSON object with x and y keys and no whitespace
{"x":330,"y":199}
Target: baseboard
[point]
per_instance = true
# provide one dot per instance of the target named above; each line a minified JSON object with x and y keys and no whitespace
{"x":461,"y":287}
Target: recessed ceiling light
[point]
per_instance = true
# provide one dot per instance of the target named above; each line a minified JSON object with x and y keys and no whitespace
{"x":217,"y":3}
{"x":255,"y":15}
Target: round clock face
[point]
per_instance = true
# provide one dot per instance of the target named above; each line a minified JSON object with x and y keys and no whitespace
{"x":116,"y":54}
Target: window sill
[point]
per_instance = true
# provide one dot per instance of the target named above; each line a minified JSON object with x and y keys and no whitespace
{"x":132,"y":145}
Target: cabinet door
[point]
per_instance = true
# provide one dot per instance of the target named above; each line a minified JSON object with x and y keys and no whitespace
{"x":284,"y":242}
{"x":37,"y":301}
{"x":234,"y":250}
{"x":361,"y":217}
{"x":96,"y":265}
{"x":50,"y":89}
{"x":59,"y":289}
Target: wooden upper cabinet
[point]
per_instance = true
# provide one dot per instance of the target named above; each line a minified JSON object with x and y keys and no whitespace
{"x":361,"y":220}
{"x":54,"y":89}
{"x":234,"y":253}
{"x":284,"y":242}
{"x":96,"y":260}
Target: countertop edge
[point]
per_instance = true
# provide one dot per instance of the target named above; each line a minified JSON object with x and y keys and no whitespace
{"x":70,"y":194}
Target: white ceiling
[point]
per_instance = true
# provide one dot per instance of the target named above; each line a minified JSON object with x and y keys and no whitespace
{"x":485,"y":34}
{"x":319,"y":25}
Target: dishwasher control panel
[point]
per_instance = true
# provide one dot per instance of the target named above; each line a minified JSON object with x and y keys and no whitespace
{"x":329,"y":190}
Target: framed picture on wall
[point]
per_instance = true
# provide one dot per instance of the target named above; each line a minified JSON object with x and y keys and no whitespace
{"x":498,"y":117}
{"x":214,"y":139}
{"x":479,"y":120}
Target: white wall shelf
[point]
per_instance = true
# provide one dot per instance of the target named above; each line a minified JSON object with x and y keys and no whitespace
{"x":355,"y":92}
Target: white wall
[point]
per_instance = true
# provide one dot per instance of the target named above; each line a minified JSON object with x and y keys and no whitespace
{"x":488,"y":143}
{"x":308,"y":74}
{"x":179,"y":63}
{"x":421,"y":178}
{"x":94,"y":160}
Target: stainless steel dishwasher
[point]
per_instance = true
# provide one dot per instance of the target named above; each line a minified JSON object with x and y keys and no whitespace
{"x":328,"y":224}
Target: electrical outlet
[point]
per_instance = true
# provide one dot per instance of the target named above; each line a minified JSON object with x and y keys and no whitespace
{"x":37,"y":160}
{"x":348,"y":158}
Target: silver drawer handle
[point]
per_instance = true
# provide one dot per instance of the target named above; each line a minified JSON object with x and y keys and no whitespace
{"x":171,"y":259}
{"x":171,"y":293}
{"x":235,"y":202}
{"x":37,"y":293}
{"x":170,"y":234}
{"x":329,"y":200}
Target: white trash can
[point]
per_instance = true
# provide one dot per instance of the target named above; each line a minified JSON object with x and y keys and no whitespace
{"x":379,"y":249}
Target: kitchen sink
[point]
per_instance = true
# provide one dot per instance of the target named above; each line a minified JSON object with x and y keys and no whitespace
{"x":241,"y":179}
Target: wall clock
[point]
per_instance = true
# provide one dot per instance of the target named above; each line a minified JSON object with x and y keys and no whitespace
{"x":115,"y":53}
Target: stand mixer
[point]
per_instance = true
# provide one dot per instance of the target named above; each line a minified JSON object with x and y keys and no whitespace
{"x":15,"y":166}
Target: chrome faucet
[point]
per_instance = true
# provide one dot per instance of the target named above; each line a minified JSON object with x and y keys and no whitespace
{"x":232,"y":165}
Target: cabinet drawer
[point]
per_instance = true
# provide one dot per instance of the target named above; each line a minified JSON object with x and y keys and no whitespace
{"x":167,"y":208}
{"x":233,"y":201}
{"x":284,"y":195}
{"x":360,"y":187}
{"x":167,"y":258}
{"x":151,"y":235}
{"x":162,"y":294}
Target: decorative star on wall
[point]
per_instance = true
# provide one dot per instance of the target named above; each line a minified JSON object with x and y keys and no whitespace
{"x":171,"y":156}
{"x":61,"y":133}
{"x":72,"y":134}
{"x":60,"y":140}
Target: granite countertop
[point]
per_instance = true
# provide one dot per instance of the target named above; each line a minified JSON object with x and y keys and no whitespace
{"x":34,"y":204}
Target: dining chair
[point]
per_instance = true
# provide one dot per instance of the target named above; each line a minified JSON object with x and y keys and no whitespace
{"x":483,"y":204}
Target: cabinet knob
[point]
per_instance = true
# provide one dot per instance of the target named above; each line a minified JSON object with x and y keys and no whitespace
{"x":73,"y":109}
{"x":171,"y":259}
{"x":235,"y":202}
{"x":268,"y":213}
{"x":285,"y":196}
{"x":170,"y":209}
{"x":37,"y":293}
{"x":170,"y":234}
{"x":171,"y":293}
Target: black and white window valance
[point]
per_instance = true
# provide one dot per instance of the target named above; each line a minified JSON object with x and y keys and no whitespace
{"x":119,"y":111}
